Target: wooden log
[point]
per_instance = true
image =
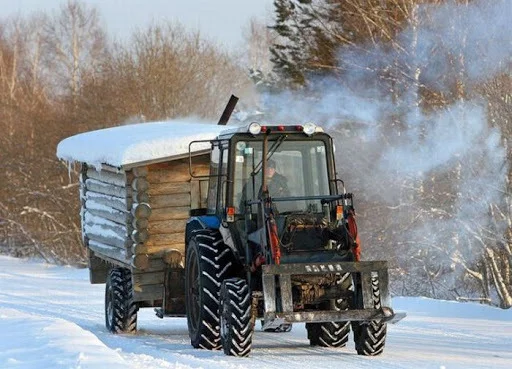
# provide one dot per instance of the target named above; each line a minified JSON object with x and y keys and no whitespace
{"x":175,"y":173}
{"x":140,"y":261}
{"x":140,"y":197}
{"x":174,"y":258}
{"x":107,"y":189}
{"x":107,"y":240}
{"x":101,"y":224}
{"x":140,"y":184}
{"x":168,"y":188}
{"x":117,"y":203}
{"x":200,"y":169}
{"x":110,"y":251}
{"x":165,"y":239}
{"x":170,"y":213}
{"x":140,"y":171}
{"x":164,"y":201}
{"x":141,"y":210}
{"x":147,"y":262}
{"x":149,"y":293}
{"x":167,"y":226}
{"x":157,"y":250}
{"x":140,"y":223}
{"x":116,"y":179}
{"x":120,"y":217}
{"x":140,"y":235}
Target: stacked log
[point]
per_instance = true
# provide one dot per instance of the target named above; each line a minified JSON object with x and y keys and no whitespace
{"x":169,"y":191}
{"x":106,"y":220}
{"x":140,"y":211}
{"x":138,"y":218}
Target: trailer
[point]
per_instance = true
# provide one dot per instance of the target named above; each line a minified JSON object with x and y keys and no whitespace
{"x":136,"y":194}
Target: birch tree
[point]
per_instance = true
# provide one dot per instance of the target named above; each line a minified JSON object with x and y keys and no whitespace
{"x":75,"y":42}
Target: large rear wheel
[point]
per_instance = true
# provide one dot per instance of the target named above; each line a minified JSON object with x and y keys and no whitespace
{"x":208,"y":262}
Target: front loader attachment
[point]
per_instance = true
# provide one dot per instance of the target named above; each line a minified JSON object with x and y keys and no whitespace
{"x":371,"y":298}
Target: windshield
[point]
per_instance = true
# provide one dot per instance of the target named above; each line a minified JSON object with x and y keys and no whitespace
{"x":294,"y":168}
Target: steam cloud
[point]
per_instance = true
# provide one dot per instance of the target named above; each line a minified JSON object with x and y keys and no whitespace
{"x":391,"y":162}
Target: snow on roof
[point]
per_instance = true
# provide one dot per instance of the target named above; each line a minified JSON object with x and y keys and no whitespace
{"x":127,"y":145}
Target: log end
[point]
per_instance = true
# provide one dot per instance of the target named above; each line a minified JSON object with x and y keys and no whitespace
{"x":140,"y":261}
{"x":173,"y":258}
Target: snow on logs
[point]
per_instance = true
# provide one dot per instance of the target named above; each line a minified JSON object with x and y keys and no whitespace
{"x":138,"y":217}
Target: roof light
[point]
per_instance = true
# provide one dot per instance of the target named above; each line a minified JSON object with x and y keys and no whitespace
{"x":309,"y":128}
{"x":299,"y":128}
{"x":280,"y":128}
{"x":254,"y":128}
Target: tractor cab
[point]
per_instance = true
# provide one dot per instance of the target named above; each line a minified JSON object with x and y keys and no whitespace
{"x":275,"y":189}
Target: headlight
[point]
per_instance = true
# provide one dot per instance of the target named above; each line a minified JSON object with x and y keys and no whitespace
{"x":254,"y":129}
{"x":309,"y":128}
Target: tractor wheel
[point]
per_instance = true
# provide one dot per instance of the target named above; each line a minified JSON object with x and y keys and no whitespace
{"x":332,"y":334}
{"x":120,"y":310}
{"x":370,"y":337}
{"x":208,"y":262}
{"x":236,"y":328}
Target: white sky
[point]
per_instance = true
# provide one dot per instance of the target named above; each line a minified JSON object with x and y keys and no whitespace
{"x":220,"y":20}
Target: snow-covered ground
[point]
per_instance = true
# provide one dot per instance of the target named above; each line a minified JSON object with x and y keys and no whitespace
{"x":51,"y":317}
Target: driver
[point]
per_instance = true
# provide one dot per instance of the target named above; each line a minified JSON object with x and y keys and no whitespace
{"x":277,"y":183}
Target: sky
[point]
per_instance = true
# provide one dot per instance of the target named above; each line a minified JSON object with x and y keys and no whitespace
{"x":220,"y":20}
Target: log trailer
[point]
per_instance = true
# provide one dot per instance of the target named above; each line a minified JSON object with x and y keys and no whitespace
{"x":201,"y":235}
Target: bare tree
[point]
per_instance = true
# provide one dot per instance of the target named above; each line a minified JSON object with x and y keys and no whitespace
{"x":75,"y":42}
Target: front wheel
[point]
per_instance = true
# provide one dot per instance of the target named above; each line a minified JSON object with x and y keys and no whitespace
{"x":370,"y":337}
{"x":333,"y":334}
{"x":236,"y":327}
{"x":120,"y":310}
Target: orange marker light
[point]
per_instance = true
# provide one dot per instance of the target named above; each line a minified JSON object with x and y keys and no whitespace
{"x":230,"y":214}
{"x":339,"y":212}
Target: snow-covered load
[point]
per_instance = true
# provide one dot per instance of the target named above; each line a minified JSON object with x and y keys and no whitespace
{"x":136,"y":194}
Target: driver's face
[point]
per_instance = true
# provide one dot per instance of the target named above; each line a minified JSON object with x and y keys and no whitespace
{"x":269,"y":172}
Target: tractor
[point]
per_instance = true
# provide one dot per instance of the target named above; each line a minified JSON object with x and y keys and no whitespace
{"x":279,"y":250}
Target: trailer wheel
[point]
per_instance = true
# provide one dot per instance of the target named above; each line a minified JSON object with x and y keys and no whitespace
{"x":208,"y":262}
{"x":236,"y":328}
{"x":370,"y":337}
{"x":120,"y":310}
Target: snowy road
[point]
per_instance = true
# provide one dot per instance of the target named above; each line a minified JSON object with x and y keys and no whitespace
{"x":51,"y":317}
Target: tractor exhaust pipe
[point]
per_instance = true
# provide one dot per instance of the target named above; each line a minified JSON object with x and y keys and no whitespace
{"x":226,"y":114}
